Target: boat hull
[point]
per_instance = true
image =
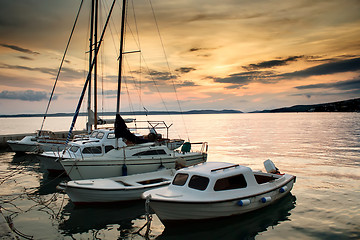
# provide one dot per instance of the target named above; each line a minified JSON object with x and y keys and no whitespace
{"x":119,"y":189}
{"x":172,"y":212}
{"x":18,"y":147}
{"x":88,"y":168}
{"x":31,"y":144}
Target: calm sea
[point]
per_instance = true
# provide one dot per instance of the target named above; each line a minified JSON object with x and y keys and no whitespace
{"x":321,"y":149}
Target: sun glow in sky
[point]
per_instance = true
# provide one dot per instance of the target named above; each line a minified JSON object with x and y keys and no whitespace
{"x":244,"y":55}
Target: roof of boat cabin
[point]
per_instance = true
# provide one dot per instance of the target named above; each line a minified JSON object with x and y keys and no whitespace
{"x":218,"y":168}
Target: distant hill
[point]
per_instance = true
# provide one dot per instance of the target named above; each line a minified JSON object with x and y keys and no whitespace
{"x":352,"y":105}
{"x":128,"y":113}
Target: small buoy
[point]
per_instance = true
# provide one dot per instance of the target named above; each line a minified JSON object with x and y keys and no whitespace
{"x":283,"y":189}
{"x":243,"y":202}
{"x":265,"y":199}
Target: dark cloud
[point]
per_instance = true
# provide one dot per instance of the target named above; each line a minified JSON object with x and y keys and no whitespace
{"x":25,"y":58}
{"x":347,"y":65}
{"x":244,"y":78}
{"x":341,"y":85}
{"x":272,"y":63}
{"x":186,"y":84}
{"x":19,"y":49}
{"x":43,"y":70}
{"x":162,"y":76}
{"x":28,"y":95}
{"x":65,"y":72}
{"x":185,"y":69}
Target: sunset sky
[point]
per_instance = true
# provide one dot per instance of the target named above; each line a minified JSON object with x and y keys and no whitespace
{"x":231,"y":54}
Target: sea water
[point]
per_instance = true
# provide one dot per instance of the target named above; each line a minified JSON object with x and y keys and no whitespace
{"x":321,"y":149}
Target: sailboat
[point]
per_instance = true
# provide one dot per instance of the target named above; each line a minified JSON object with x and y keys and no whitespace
{"x":128,"y":153}
{"x":141,"y":155}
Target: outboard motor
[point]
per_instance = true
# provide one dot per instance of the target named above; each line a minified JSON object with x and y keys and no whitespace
{"x":270,"y":167}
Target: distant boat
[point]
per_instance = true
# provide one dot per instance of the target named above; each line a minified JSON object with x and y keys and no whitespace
{"x":39,"y":142}
{"x":217,"y":189}
{"x":117,"y":189}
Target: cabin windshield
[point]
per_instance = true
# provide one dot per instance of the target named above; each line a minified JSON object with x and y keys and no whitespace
{"x":93,"y":134}
{"x":100,"y":135}
{"x":180,"y":179}
{"x":228,"y":183}
{"x":199,"y":182}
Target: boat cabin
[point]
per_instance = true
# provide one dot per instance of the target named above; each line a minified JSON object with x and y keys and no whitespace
{"x":215,"y":177}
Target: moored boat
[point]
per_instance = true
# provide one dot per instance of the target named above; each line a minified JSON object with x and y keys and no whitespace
{"x":117,"y":189}
{"x":41,"y":141}
{"x":215,"y":190}
{"x":128,"y":160}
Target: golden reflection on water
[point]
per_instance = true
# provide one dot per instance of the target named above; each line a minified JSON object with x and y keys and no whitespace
{"x":321,"y":149}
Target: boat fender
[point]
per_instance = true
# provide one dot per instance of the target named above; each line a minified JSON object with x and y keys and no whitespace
{"x":283,"y":189}
{"x":265,"y":199}
{"x":124,"y":170}
{"x":243,"y":202}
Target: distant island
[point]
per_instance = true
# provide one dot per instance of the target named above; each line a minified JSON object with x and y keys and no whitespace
{"x":352,"y":105}
{"x":128,"y":113}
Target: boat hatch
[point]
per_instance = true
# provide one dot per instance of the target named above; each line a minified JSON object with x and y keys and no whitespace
{"x":152,"y":181}
{"x":151,"y":152}
{"x":124,"y":183}
{"x":260,"y":179}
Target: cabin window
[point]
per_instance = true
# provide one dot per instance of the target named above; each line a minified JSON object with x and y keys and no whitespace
{"x":93,"y":134}
{"x":151,"y":152}
{"x":100,"y":135}
{"x":180,"y":179}
{"x":108,"y":148}
{"x":111,"y":136}
{"x":92,"y":150}
{"x":233,"y":182}
{"x":199,"y":182}
{"x":74,"y":149}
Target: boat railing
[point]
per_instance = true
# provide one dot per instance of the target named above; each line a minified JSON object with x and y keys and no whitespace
{"x":203,"y":148}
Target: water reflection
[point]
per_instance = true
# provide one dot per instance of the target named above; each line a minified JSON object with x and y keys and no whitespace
{"x":89,"y":218}
{"x":245,"y":226}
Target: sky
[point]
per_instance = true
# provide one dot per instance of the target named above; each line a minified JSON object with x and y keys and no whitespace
{"x":194,"y":54}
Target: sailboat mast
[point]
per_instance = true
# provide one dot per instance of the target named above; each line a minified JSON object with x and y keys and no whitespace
{"x":121,"y":55}
{"x":89,"y":124}
{"x":96,"y":62}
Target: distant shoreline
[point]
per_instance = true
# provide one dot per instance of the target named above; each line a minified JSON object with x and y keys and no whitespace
{"x":352,"y":105}
{"x":125,"y":113}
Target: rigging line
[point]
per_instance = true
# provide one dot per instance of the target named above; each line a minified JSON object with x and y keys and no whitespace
{"x":62,"y":61}
{"x":167,"y":62}
{"x":136,"y":37}
{"x":88,"y":76}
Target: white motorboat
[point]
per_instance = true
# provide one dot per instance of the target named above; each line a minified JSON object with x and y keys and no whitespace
{"x":41,"y":141}
{"x":117,"y":189}
{"x":95,"y":145}
{"x":128,"y":160}
{"x":215,"y":189}
{"x":98,"y":142}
